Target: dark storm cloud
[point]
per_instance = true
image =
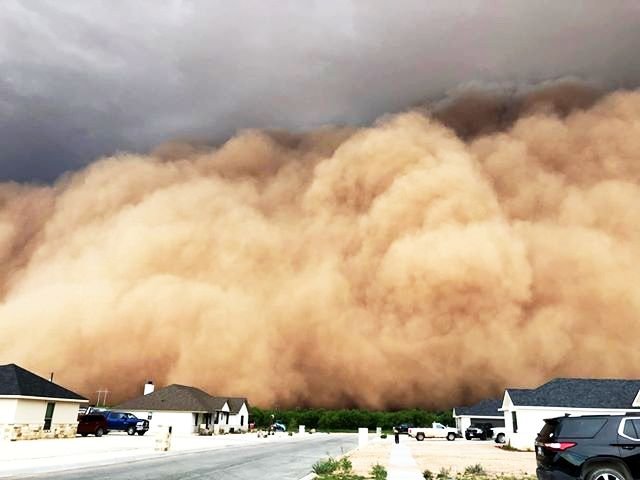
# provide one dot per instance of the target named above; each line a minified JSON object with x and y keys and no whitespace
{"x":81,"y":79}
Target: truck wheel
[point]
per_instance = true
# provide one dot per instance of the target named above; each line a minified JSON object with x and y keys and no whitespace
{"x":99,"y":432}
{"x":131,"y":431}
{"x":500,"y":438}
{"x":420,"y":436}
{"x":451,"y":436}
{"x":141,"y":432}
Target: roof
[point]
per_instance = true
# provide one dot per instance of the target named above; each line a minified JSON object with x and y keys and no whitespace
{"x":485,"y":408}
{"x":579,"y":393}
{"x":16,"y":381}
{"x":235,"y":404}
{"x":179,"y":398}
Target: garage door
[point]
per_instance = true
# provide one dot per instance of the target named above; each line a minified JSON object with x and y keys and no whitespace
{"x":496,"y":422}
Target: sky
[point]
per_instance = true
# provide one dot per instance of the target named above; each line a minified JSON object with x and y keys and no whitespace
{"x":83,"y":79}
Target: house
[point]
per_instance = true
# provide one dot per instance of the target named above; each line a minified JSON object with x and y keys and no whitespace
{"x":186,"y":409}
{"x":486,"y":411}
{"x":33,"y":407}
{"x":525,"y":409}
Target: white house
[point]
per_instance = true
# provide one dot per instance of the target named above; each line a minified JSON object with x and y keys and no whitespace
{"x":525,"y":410}
{"x":186,"y":409}
{"x":486,"y":411}
{"x":32,"y":407}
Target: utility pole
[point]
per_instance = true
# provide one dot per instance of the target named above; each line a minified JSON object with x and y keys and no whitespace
{"x":100,"y":393}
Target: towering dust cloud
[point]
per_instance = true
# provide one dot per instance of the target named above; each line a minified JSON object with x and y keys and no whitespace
{"x":397,"y":265}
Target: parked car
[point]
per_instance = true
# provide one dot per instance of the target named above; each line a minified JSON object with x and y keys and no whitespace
{"x":126,"y":422}
{"x":437,"y":430}
{"x":500,"y":435}
{"x":403,"y":427}
{"x":483,"y":431}
{"x":279,"y":427}
{"x":594,"y":447}
{"x":92,"y":424}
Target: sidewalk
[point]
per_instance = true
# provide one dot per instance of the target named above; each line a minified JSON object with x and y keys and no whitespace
{"x":402,"y":465}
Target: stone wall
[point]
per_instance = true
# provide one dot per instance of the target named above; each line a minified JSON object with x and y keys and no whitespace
{"x":34,"y":431}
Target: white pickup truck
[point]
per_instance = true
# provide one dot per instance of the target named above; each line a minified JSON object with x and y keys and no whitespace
{"x":437,"y":430}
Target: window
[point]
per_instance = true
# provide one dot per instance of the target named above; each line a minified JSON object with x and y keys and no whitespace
{"x":227,"y":422}
{"x":631,"y":428}
{"x":514,"y":417}
{"x":580,"y":427}
{"x":48,"y":415}
{"x":242,"y":420}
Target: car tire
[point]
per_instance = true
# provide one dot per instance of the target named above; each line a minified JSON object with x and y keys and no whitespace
{"x":500,"y":438}
{"x":451,"y":436}
{"x":608,"y":472}
{"x":420,"y":436}
{"x":131,"y":431}
{"x":467,"y":436}
{"x":141,"y":433}
{"x":99,"y":432}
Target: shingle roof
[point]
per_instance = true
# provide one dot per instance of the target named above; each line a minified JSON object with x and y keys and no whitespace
{"x":181,"y":398}
{"x":579,"y":393}
{"x":485,"y":408}
{"x":15,"y":380}
{"x":235,"y":404}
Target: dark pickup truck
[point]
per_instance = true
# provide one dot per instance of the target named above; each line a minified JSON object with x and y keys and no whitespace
{"x":122,"y":421}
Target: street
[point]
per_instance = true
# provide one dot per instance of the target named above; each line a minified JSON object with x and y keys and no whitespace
{"x":278,"y":461}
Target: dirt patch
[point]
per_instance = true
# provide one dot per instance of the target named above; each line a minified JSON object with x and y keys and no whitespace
{"x":437,"y":454}
{"x":366,"y":457}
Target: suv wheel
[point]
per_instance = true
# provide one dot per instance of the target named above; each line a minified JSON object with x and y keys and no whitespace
{"x":500,"y":438}
{"x":131,"y":431}
{"x":467,"y":436}
{"x":607,"y":472}
{"x":420,"y":436}
{"x":99,"y":432}
{"x":451,"y":436}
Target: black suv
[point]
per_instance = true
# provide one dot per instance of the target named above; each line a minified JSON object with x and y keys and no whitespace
{"x":482,"y":431}
{"x":594,"y":447}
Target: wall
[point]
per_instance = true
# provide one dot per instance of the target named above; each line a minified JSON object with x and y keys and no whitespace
{"x":235,"y":420}
{"x":7,"y":410}
{"x":531,"y":420}
{"x":28,"y":420}
{"x":181,"y":422}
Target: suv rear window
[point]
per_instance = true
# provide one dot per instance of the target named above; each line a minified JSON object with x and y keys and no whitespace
{"x":580,"y":427}
{"x":547,"y":431}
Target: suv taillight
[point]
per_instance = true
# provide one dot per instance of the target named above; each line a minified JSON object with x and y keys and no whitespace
{"x":559,"y":446}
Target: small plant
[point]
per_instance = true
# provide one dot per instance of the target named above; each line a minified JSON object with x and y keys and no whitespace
{"x":345,"y":465}
{"x":444,"y":474}
{"x":325,"y":467}
{"x":378,"y":472}
{"x":476,"y":469}
{"x":290,"y":434}
{"x":427,"y":474}
{"x":384,"y":435}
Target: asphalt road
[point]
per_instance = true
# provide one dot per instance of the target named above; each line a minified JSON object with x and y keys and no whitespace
{"x":274,"y":461}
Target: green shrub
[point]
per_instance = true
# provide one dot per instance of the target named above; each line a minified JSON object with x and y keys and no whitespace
{"x":476,"y":469}
{"x":384,"y":435}
{"x":444,"y":474}
{"x":345,"y":465}
{"x":378,"y":472}
{"x":428,"y":475}
{"x":324,"y":467}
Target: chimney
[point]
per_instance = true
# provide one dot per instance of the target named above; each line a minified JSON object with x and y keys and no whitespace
{"x":149,"y":387}
{"x":51,"y":377}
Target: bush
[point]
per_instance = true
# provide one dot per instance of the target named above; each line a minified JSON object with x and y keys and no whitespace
{"x":378,"y":472}
{"x":325,"y":467}
{"x":428,"y":475}
{"x":290,"y":434}
{"x":476,"y":469}
{"x":444,"y":474}
{"x":384,"y":435}
{"x":345,"y":465}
